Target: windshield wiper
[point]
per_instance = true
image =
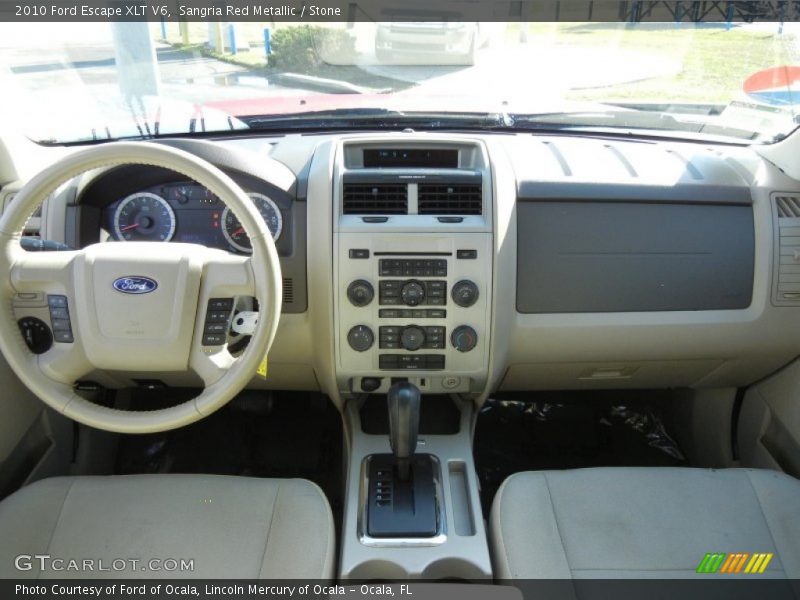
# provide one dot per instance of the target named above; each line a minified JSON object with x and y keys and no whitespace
{"x":632,"y":123}
{"x":376,"y":118}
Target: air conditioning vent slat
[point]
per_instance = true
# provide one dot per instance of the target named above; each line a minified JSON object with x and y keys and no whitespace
{"x":788,"y":206}
{"x":375,"y":199}
{"x":450,"y":199}
{"x":288,"y":290}
{"x":786,"y":286}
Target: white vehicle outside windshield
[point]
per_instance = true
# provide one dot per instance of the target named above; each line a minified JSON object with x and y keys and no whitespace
{"x":84,"y":81}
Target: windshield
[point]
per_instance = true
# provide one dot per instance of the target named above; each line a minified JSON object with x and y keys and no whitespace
{"x":94,"y":81}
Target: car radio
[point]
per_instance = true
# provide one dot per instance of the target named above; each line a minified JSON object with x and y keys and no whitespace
{"x":413,"y":266}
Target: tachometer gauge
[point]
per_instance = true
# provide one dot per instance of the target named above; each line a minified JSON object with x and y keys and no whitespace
{"x":144,"y":217}
{"x":234,"y":232}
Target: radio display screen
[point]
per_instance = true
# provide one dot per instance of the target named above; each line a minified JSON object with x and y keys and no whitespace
{"x":410,"y":157}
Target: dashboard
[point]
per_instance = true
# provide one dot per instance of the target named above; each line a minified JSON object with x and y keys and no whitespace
{"x":471,"y":263}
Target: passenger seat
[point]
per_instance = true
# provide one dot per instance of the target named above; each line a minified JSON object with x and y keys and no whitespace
{"x":642,"y":522}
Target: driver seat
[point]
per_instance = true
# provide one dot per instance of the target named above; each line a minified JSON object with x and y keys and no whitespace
{"x":230,"y":527}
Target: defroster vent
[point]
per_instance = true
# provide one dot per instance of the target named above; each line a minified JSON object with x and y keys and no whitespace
{"x":375,"y":199}
{"x":450,"y":199}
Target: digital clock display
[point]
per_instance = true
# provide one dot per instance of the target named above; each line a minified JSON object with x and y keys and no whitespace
{"x":410,"y":157}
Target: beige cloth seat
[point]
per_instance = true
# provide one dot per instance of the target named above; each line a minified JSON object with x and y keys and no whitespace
{"x":230,"y":527}
{"x":642,"y":522}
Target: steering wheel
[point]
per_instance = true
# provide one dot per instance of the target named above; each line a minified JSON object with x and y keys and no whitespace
{"x":158,"y":329}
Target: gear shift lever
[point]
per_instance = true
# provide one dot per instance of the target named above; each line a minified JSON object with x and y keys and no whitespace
{"x":402,"y":499}
{"x":403,"y":402}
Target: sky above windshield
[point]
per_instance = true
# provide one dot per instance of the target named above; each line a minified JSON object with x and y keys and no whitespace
{"x":85,"y":80}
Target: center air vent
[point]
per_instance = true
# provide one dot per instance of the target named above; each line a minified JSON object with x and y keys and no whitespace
{"x":450,"y":199}
{"x":375,"y":199}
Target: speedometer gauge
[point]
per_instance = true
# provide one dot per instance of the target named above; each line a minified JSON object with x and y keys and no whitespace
{"x":144,"y":217}
{"x":234,"y":232}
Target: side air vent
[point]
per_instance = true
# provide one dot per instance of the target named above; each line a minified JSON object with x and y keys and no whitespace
{"x":288,"y":290}
{"x":788,"y":206}
{"x":787,"y":249}
{"x":450,"y":199}
{"x":375,"y":199}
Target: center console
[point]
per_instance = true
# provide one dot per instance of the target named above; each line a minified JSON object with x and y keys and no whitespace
{"x":413,"y":255}
{"x":413,"y":266}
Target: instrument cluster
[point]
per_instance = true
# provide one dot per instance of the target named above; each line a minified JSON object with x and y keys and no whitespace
{"x":189,"y":213}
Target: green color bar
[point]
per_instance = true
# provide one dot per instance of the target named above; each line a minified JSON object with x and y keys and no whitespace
{"x":711,"y":562}
{"x":701,"y":568}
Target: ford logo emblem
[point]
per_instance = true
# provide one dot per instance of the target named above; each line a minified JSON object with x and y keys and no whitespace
{"x":133,"y":284}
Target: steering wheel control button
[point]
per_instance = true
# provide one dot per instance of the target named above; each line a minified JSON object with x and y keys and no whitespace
{"x":360,"y":338}
{"x":360,"y":292}
{"x":464,"y":338}
{"x":37,"y":334}
{"x":63,"y":337}
{"x":57,"y":300}
{"x":214,"y":339}
{"x":215,"y":327}
{"x":465,"y":293}
{"x":59,"y":312}
{"x":412,"y":338}
{"x":61,"y":325}
{"x":59,"y":319}
{"x":220,"y":304}
{"x":412,"y":293}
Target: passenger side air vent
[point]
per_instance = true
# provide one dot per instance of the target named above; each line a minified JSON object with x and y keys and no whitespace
{"x":375,"y":199}
{"x":450,"y":199}
{"x":786,"y":288}
{"x":788,"y":206}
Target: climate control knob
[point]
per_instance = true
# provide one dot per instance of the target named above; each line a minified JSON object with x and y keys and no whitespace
{"x":412,"y":337}
{"x":464,"y":338}
{"x":465,"y":293}
{"x":360,"y":292}
{"x":412,"y":293}
{"x":360,"y":338}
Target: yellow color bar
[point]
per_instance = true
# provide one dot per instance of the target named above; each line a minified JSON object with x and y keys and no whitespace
{"x":759,"y":558}
{"x":767,"y":558}
{"x":759,"y":562}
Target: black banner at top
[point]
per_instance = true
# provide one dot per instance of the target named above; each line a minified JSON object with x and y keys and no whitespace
{"x":318,"y":11}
